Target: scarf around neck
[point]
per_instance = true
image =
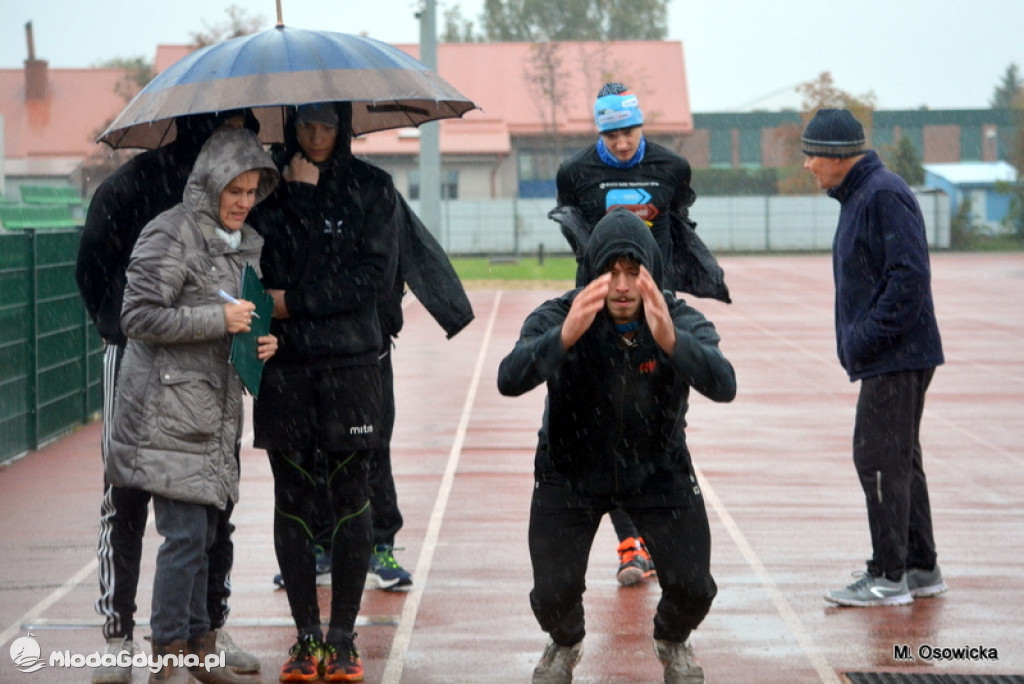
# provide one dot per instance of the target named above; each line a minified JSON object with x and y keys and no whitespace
{"x":611,"y":160}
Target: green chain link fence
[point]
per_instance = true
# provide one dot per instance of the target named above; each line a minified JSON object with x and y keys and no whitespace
{"x":51,"y":358}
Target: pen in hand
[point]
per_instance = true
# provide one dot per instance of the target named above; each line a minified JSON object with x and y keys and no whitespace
{"x":231,"y":300}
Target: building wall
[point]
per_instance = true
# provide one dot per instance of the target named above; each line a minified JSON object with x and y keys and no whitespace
{"x":942,"y":144}
{"x":728,"y":139}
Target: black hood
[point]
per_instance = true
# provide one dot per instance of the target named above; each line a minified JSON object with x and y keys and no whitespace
{"x":193,"y":130}
{"x":620,"y":233}
{"x":283,"y":153}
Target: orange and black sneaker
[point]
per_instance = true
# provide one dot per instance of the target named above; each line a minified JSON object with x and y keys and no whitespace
{"x":341,"y":661}
{"x":634,"y":562}
{"x":303,"y":664}
{"x":647,"y":556}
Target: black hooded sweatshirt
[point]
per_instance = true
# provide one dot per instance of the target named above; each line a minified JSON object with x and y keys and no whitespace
{"x":333,"y":248}
{"x":617,"y":414}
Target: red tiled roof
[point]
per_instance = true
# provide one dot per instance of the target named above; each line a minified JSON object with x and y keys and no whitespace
{"x":78,"y":104}
{"x":496,"y":76}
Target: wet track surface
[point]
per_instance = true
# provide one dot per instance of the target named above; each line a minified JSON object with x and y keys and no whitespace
{"x":786,"y":511}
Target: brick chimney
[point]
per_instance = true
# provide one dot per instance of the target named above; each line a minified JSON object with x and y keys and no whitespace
{"x":36,"y":77}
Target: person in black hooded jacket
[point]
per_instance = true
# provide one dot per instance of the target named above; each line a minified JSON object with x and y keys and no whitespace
{"x":330,"y":254}
{"x":424,"y":268}
{"x":625,"y":169}
{"x":140,"y":189}
{"x":629,"y":352}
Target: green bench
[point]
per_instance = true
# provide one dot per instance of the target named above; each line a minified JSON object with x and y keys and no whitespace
{"x":38,"y":217}
{"x":49,"y":195}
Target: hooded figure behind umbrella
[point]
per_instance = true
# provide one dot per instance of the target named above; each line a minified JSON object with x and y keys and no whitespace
{"x":139,"y":190}
{"x":630,"y":353}
{"x":331,"y":254}
{"x":423,"y":264}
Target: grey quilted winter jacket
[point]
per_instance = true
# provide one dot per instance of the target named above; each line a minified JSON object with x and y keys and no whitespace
{"x":178,"y":407}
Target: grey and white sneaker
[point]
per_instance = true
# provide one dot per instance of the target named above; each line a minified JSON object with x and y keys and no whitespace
{"x":557,"y":663}
{"x":123,"y":649}
{"x":871,"y":590}
{"x":234,"y":657}
{"x":925,"y":583}
{"x":681,"y":666}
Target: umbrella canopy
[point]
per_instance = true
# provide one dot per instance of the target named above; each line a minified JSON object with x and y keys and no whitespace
{"x":273,"y":70}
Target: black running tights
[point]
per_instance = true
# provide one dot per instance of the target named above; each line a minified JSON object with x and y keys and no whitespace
{"x":294,"y":528}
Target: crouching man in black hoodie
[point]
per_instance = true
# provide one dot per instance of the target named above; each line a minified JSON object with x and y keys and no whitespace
{"x":619,"y":357}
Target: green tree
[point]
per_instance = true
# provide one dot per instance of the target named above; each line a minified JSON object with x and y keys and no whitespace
{"x":458,"y":29}
{"x":1015,"y":215}
{"x":537,"y":21}
{"x":963,"y":230}
{"x":1009,"y":89}
{"x":902,"y":158}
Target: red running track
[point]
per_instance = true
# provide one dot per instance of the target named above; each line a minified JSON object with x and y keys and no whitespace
{"x":786,"y":510}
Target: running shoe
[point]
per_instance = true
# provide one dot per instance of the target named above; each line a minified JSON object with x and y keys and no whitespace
{"x":385,"y":572}
{"x":925,"y":583}
{"x":303,"y":664}
{"x":557,"y":663}
{"x":872,"y":590}
{"x":341,"y":661}
{"x":634,"y":562}
{"x":323,"y":570}
{"x":681,"y":666}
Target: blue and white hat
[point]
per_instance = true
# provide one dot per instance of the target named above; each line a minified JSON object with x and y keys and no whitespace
{"x":616,"y":107}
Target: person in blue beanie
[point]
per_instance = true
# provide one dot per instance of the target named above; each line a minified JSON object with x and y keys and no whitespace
{"x":888,"y":339}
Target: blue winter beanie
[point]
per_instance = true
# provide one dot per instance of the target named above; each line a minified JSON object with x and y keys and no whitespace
{"x":616,"y":107}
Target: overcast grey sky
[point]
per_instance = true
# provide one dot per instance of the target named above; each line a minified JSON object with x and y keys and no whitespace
{"x":740,"y":54}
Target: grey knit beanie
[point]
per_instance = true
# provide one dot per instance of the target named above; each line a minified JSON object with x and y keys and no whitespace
{"x":833,"y":133}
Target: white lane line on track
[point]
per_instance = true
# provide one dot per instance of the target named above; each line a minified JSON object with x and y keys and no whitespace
{"x":403,"y":635}
{"x":789,"y":616}
{"x":57,"y":594}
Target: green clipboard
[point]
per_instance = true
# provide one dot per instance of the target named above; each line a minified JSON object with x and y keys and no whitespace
{"x":243,"y":345}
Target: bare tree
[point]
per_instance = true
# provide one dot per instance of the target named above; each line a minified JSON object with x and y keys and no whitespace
{"x":138,"y":72}
{"x":821,"y":93}
{"x":238,"y":23}
{"x":534,"y":21}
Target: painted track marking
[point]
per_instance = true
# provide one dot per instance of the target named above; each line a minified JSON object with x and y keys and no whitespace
{"x":403,"y":635}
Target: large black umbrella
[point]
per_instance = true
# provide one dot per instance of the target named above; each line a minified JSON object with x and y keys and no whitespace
{"x":282,"y":67}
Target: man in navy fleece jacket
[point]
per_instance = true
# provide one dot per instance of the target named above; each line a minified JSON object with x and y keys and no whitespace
{"x":888,"y":339}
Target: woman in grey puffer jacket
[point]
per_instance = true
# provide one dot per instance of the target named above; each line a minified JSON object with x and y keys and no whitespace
{"x":178,"y":409}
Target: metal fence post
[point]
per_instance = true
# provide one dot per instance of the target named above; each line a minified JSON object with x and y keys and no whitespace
{"x":32,"y":384}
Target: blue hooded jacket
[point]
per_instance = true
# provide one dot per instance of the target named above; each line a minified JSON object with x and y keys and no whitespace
{"x":884,"y":315}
